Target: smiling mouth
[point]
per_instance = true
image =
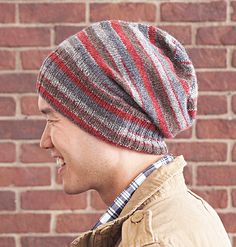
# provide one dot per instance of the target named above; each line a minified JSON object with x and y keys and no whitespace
{"x":60,"y":162}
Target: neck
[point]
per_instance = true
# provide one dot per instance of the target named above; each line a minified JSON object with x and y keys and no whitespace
{"x":122,"y":177}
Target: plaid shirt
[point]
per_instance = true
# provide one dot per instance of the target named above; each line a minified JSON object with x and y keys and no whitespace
{"x":121,"y":200}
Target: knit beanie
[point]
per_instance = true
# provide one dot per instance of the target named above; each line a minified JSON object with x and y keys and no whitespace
{"x":129,"y":84}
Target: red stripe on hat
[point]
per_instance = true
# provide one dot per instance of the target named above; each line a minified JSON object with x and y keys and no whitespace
{"x":63,"y":109}
{"x":104,"y":50}
{"x":89,"y":47}
{"x":185,"y":85}
{"x":96,"y":56}
{"x":152,"y":35}
{"x":192,"y":113}
{"x":173,"y":90}
{"x":99,"y":101}
{"x":111,"y":58}
{"x":159,"y":116}
{"x":164,"y":89}
{"x":152,"y":30}
{"x":79,"y":120}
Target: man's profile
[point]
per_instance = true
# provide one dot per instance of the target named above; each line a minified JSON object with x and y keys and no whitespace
{"x":111,"y":93}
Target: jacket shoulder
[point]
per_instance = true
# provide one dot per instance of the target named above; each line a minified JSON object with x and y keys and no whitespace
{"x":186,"y":219}
{"x":137,"y":231}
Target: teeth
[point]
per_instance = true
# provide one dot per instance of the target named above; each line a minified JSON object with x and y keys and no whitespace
{"x":60,"y":162}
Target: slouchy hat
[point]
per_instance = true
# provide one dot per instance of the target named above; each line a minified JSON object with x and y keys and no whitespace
{"x":129,"y":84}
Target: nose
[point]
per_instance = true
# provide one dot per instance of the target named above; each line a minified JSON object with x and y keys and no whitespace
{"x":46,"y":141}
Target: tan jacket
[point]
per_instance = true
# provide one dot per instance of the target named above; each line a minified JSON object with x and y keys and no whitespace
{"x":162,"y":212}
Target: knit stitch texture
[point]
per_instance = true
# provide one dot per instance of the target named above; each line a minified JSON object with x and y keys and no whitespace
{"x":129,"y":84}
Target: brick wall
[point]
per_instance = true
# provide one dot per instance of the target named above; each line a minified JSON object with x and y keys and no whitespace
{"x":34,"y":209}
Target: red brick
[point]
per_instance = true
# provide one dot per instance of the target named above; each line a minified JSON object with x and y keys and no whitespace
{"x":233,"y":103}
{"x":181,"y":33}
{"x":29,"y":105}
{"x":7,"y":106}
{"x":199,"y":151}
{"x":216,"y":198}
{"x":216,"y":175}
{"x":7,"y":242}
{"x":7,"y":152}
{"x":7,"y":60}
{"x":24,"y":223}
{"x":7,"y":13}
{"x":234,"y":198}
{"x":216,"y":128}
{"x":234,"y":153}
{"x":52,"y":200}
{"x":224,"y":35}
{"x":21,"y":129}
{"x":217,"y":81}
{"x":234,"y":241}
{"x":51,"y":13}
{"x":32,"y":59}
{"x":208,"y":57}
{"x":17,"y":83}
{"x":46,"y":241}
{"x":211,"y":105}
{"x":96,"y":201}
{"x":63,"y":32}
{"x":185,"y":134}
{"x":32,"y":153}
{"x":193,"y":12}
{"x":229,"y":221}
{"x":122,"y":11}
{"x":24,"y":36}
{"x":234,"y":59}
{"x":233,"y":15}
{"x":7,"y":199}
{"x":76,"y":222}
{"x":25,"y":176}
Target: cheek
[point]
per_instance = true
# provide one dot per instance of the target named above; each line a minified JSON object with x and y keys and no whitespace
{"x":59,"y":138}
{"x":76,"y":174}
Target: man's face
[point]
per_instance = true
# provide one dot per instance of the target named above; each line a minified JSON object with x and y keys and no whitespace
{"x":85,"y":157}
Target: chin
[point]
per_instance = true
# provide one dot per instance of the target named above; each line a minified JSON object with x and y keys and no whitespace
{"x":70,"y":190}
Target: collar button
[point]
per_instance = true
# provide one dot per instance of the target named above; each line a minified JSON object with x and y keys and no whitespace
{"x":137,"y":217}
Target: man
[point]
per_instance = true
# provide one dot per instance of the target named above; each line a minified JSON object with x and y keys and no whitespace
{"x":111,"y":93}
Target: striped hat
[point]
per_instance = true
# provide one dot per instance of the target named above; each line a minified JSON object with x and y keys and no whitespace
{"x":129,"y":84}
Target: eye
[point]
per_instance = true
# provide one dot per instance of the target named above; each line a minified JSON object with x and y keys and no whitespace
{"x":50,"y":121}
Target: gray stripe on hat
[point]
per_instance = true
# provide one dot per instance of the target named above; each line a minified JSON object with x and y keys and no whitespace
{"x":122,"y":49}
{"x":128,"y":85}
{"x":79,"y":58}
{"x":89,"y":67}
{"x":163,"y":72}
{"x":152,"y":81}
{"x":74,"y":95}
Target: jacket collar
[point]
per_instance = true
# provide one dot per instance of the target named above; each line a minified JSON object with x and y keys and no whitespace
{"x":154,"y":183}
